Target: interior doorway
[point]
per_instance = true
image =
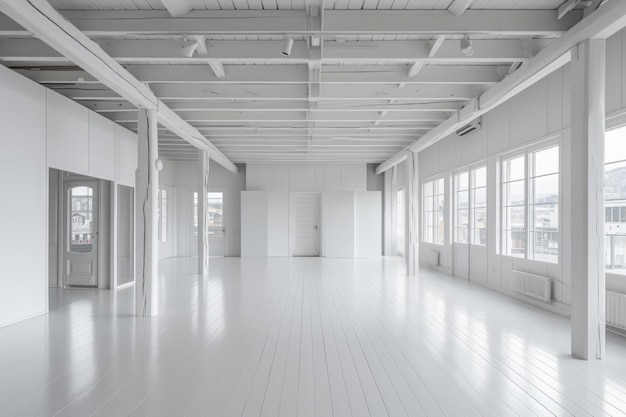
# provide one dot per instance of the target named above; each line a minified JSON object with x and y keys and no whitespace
{"x":79,"y":220}
{"x":216,"y":226}
{"x":306,"y":224}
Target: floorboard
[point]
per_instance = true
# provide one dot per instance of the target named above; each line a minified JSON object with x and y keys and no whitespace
{"x":306,"y":337}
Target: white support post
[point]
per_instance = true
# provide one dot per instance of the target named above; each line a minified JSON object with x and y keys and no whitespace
{"x":146,"y":189}
{"x":587,"y":200}
{"x":203,"y":190}
{"x":412,"y":214}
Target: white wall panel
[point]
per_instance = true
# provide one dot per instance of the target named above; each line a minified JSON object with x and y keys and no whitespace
{"x":101,"y":147}
{"x":254,"y":224}
{"x":497,"y":125}
{"x":126,"y":151}
{"x":302,"y":177}
{"x":353,"y":177}
{"x":332,"y":177}
{"x":258,"y":177}
{"x":67,"y":133}
{"x":555,"y":101}
{"x":278,"y":223}
{"x":24,"y":190}
{"x":338,"y":224}
{"x":529,"y":114}
{"x":368,"y":230}
{"x":614,"y":48}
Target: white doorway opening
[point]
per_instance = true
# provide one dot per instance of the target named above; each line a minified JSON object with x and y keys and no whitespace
{"x":306,"y":222}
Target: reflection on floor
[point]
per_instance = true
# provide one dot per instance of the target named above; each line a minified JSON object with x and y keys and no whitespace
{"x":64,"y":297}
{"x":304,"y":337}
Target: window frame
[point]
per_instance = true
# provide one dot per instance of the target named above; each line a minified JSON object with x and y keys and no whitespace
{"x":434,"y":212}
{"x":526,"y":152}
{"x":471,"y":208}
{"x":613,"y":123}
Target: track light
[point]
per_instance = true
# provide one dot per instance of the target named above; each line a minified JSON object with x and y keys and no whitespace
{"x":466,"y":46}
{"x":287,"y":45}
{"x":188,"y":49}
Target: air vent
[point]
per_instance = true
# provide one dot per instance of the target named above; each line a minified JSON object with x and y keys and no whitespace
{"x":472,"y":126}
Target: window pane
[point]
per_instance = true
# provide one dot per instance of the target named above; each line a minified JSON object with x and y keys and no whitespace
{"x":546,"y":161}
{"x":439,"y":189}
{"x":515,"y":243}
{"x":428,"y":189}
{"x":545,"y":245}
{"x":514,"y":217}
{"x":615,"y":145}
{"x":479,"y":197}
{"x":461,"y":200}
{"x":545,"y":217}
{"x":546,"y":189}
{"x":514,"y":193}
{"x":461,"y":181}
{"x":615,"y":181}
{"x":480,"y":177}
{"x":514,"y":169}
{"x":81,"y":218}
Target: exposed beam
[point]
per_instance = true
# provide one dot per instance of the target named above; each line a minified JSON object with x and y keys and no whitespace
{"x":281,"y":74}
{"x":566,"y":7}
{"x":46,"y":23}
{"x":98,"y":23}
{"x":254,"y":52}
{"x":191,"y":92}
{"x":458,"y":7}
{"x":417,"y":66}
{"x":599,"y":25}
{"x":177,"y":8}
{"x":218,"y":68}
{"x":278,"y":106}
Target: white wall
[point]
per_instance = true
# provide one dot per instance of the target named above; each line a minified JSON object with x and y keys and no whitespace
{"x":24,"y":190}
{"x":542,"y":111}
{"x":43,"y":129}
{"x":279,"y":180}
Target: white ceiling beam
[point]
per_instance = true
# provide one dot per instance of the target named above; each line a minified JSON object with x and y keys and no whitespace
{"x":566,"y":7}
{"x":458,"y":7}
{"x":254,"y":52}
{"x":217,"y":67}
{"x":599,"y":25}
{"x":120,"y":23}
{"x":281,"y":74}
{"x":177,"y":8}
{"x":46,"y":23}
{"x":417,"y":66}
{"x":265,"y":92}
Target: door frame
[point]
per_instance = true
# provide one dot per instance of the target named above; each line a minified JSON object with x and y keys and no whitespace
{"x":292,"y":220}
{"x":193,"y":243}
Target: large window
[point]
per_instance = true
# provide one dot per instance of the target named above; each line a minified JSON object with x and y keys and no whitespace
{"x":615,"y":200}
{"x":530,"y":203}
{"x":433,"y":200}
{"x":470,"y":206}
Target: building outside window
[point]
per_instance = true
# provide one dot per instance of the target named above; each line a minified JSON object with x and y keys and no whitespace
{"x":530,"y":204}
{"x":615,"y":200}
{"x":433,"y":203}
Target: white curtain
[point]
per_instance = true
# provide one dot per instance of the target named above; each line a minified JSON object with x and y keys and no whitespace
{"x":412,"y":214}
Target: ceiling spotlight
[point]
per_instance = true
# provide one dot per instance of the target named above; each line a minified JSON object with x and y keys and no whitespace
{"x":188,"y":48}
{"x":287,"y":45}
{"x":466,"y":46}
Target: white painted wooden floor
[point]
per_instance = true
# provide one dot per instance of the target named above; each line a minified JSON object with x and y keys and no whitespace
{"x":303,"y":337}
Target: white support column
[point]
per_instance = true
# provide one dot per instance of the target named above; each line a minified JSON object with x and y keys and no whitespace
{"x":587,"y":200}
{"x":203,"y":190}
{"x":412,"y":214}
{"x":146,"y":189}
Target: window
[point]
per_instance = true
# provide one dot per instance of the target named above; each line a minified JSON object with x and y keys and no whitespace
{"x":461,"y":207}
{"x":478,"y":192}
{"x":470,"y":206}
{"x":433,"y":225}
{"x":162,"y":214}
{"x":615,"y":200}
{"x":530,"y":202}
{"x":215,"y":213}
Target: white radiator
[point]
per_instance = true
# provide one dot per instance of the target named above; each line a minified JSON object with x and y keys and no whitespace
{"x":616,"y":309}
{"x":432,"y":257}
{"x":532,"y":285}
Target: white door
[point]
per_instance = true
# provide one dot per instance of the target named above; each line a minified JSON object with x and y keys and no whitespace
{"x":80,"y":255}
{"x":307,"y":225}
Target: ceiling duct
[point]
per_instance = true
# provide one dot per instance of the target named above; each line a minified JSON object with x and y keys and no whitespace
{"x":472,"y":126}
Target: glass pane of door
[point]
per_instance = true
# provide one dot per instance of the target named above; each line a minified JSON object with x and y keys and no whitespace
{"x":81,"y":219}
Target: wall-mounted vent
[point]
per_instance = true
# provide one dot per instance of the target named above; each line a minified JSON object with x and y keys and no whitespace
{"x":532,"y":285}
{"x":472,"y":126}
{"x":616,"y":309}
{"x":432,"y":257}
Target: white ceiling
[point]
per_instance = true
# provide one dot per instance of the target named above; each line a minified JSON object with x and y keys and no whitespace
{"x":378,"y":80}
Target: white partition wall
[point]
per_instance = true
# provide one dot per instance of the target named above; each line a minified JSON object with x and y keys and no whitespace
{"x":367,"y":230}
{"x":23,"y":223}
{"x":253,"y":224}
{"x":338,"y":225}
